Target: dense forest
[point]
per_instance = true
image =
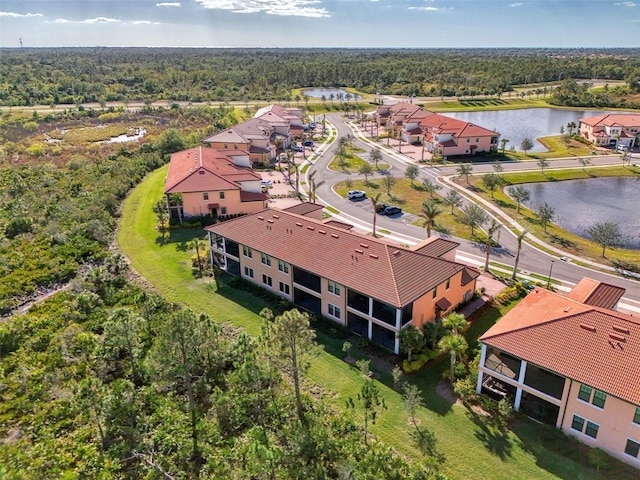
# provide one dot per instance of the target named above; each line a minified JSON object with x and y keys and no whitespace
{"x":75,"y":76}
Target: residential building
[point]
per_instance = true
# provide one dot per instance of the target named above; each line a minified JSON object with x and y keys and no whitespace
{"x":611,"y":130}
{"x":287,"y":121}
{"x":370,"y":286}
{"x":571,"y":362}
{"x":216,"y":182}
{"x":256,"y":136}
{"x":449,"y":137}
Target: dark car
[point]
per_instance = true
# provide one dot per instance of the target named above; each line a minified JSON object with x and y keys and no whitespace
{"x":391,"y":210}
{"x":380,"y":207}
{"x":308,"y":143}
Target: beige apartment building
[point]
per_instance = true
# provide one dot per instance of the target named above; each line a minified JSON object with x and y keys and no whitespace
{"x":370,"y":286}
{"x":572,"y":362}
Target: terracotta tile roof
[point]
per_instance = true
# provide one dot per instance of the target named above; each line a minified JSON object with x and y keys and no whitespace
{"x":443,"y":304}
{"x":588,"y":344}
{"x":230,"y":135}
{"x":435,"y":246}
{"x":613,"y":119}
{"x":219,"y":172}
{"x":459,"y":128}
{"x":595,"y":293}
{"x":304,"y":208}
{"x":252,"y":196}
{"x":392,"y":274}
{"x":469,"y":274}
{"x":337,"y":224}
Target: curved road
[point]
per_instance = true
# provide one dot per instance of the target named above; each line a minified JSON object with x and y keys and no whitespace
{"x":531,"y":259}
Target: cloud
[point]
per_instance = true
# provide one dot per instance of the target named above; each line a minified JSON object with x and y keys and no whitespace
{"x":168,"y":4}
{"x":293,"y":8}
{"x":519,"y":4}
{"x":625,"y":4}
{"x":62,"y":21}
{"x":431,"y":9}
{"x":19,"y":15}
{"x":99,"y":20}
{"x":144,"y":22}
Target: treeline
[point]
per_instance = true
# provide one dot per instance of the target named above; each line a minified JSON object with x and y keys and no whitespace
{"x":109,"y":381}
{"x":573,"y":94}
{"x":74,"y":76}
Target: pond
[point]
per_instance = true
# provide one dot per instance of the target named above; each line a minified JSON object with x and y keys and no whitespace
{"x":327,"y":92}
{"x":578,"y":204}
{"x":527,"y":122}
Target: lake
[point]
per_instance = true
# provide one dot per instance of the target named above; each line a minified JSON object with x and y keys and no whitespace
{"x":327,"y":92}
{"x":581,"y":203}
{"x":527,"y":122}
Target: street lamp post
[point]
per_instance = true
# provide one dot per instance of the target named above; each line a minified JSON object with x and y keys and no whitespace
{"x":549,"y":277}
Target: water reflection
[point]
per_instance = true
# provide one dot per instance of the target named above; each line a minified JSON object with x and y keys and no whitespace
{"x":581,"y":203}
{"x":327,"y":92}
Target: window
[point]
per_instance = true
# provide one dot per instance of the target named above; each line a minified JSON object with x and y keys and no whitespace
{"x":266,"y":259}
{"x":334,"y":311}
{"x":248,"y":272}
{"x":592,"y":429}
{"x":247,"y":252}
{"x":584,"y":393}
{"x":636,"y":417}
{"x":284,"y":288}
{"x":221,"y":195}
{"x":448,"y":284}
{"x":599,"y":398}
{"x":267,"y":280}
{"x":205,"y":196}
{"x":223,"y":210}
{"x":578,"y":423}
{"x":435,"y":293}
{"x":477,"y":139}
{"x":632,"y":448}
{"x":283,"y":266}
{"x":334,"y":287}
{"x":468,"y":139}
{"x":226,"y":146}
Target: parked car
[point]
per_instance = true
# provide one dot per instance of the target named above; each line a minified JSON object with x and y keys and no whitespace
{"x":621,"y":147}
{"x":308,"y":143}
{"x":392,"y":210}
{"x":312,"y":124}
{"x":380,"y":207}
{"x":297,"y":148}
{"x":356,"y":194}
{"x":266,"y":183}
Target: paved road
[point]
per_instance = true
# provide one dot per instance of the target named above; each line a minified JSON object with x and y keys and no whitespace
{"x":531,"y":258}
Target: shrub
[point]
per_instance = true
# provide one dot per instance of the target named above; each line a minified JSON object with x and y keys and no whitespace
{"x":418,"y":361}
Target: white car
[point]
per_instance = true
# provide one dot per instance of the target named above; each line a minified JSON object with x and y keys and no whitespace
{"x":356,"y":194}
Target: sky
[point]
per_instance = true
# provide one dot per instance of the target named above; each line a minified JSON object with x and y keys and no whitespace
{"x":320,"y":23}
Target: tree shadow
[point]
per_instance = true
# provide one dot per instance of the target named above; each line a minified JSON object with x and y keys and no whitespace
{"x":503,"y":204}
{"x":496,"y":440}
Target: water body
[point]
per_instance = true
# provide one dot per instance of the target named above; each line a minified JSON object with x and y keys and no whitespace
{"x":581,"y":203}
{"x":124,"y":138}
{"x":319,"y":92}
{"x":527,"y":122}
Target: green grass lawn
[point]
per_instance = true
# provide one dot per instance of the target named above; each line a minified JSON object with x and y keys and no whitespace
{"x":555,"y":235}
{"x":472,"y":450}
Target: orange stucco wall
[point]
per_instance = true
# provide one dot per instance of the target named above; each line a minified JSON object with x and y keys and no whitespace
{"x":195,"y":204}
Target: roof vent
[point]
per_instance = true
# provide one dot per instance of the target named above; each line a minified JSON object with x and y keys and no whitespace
{"x":395,"y":252}
{"x":566,"y":309}
{"x":335,"y":235}
{"x":621,"y":329}
{"x":373,"y":256}
{"x":364,"y":245}
{"x":260,"y":218}
{"x":585,"y":326}
{"x":270,"y":221}
{"x":323,"y":232}
{"x":309,"y":227}
{"x":298,"y":224}
{"x":275,"y":216}
{"x":359,"y":251}
{"x":617,"y":337}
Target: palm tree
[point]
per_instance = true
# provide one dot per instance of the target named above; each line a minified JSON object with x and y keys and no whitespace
{"x":313,"y":186}
{"x":493,"y":227}
{"x":433,"y":332}
{"x":374,"y":202}
{"x":429,"y":213}
{"x":455,"y":323}
{"x":455,"y":346}
{"x":519,"y":239}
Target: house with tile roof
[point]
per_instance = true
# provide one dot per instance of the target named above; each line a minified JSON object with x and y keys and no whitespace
{"x":448,"y":136}
{"x":256,"y":136}
{"x":571,"y":362}
{"x":287,"y":121}
{"x":368,"y":285}
{"x":220,"y":183}
{"x":611,"y":130}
